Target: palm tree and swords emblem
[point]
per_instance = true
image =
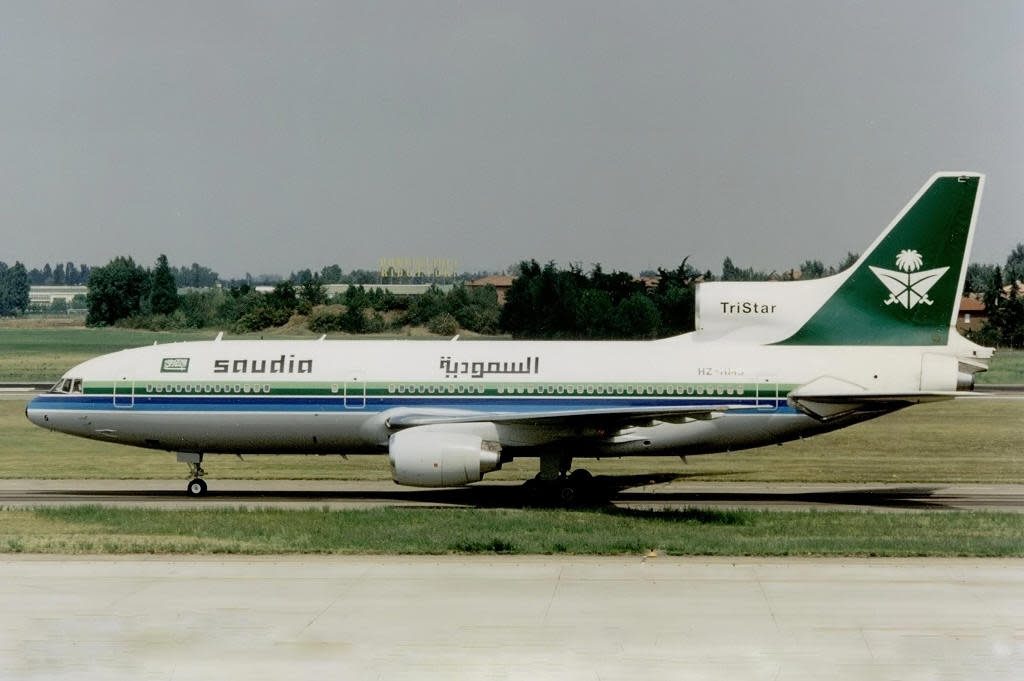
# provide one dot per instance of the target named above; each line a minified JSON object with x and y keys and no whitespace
{"x":909,"y":286}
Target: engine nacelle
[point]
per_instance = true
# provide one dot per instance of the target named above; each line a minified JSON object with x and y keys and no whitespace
{"x":423,"y":457}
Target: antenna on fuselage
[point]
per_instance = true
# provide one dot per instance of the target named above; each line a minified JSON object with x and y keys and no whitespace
{"x":219,"y":338}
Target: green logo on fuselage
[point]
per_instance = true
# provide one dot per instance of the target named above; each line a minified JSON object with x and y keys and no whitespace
{"x":174,"y":365}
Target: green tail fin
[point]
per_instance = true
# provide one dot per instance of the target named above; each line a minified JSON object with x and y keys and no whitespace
{"x":905,"y":290}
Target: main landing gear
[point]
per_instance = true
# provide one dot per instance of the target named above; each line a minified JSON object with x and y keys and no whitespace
{"x":196,"y":486}
{"x":555,"y":485}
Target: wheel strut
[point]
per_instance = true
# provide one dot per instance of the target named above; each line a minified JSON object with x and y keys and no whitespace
{"x":196,"y":485}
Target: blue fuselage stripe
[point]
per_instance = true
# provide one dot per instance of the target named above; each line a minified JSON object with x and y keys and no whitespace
{"x":261,"y":404}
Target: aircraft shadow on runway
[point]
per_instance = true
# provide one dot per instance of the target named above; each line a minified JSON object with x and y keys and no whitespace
{"x":606,"y":491}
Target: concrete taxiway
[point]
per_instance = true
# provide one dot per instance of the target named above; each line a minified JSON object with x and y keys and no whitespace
{"x":626,"y":492}
{"x":510,"y":618}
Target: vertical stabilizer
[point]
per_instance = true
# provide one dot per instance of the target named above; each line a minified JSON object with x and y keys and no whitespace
{"x":905,"y":289}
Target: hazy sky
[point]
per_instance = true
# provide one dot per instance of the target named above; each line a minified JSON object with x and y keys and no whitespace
{"x":272,"y":136}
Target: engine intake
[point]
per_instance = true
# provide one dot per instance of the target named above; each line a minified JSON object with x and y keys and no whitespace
{"x":435,"y":458}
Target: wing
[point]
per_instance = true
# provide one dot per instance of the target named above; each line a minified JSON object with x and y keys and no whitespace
{"x":570,"y":419}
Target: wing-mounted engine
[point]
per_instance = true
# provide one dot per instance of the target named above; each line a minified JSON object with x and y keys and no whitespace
{"x":427,"y":457}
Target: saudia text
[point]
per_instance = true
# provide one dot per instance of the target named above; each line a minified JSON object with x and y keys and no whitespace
{"x":284,"y":365}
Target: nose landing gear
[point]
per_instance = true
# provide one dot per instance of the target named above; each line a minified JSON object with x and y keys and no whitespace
{"x":196,"y":486}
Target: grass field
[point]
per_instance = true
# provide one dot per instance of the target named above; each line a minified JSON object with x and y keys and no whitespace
{"x":1007,"y":367}
{"x":44,"y":354}
{"x":92,"y":529}
{"x":967,"y":440}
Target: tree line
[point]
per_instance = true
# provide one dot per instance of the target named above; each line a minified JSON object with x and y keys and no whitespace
{"x":127,"y":294}
{"x":61,"y":274}
{"x":1001,"y":290}
{"x":545,"y":301}
{"x":550,"y":302}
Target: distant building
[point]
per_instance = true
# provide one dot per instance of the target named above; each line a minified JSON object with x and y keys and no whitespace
{"x":972,"y":315}
{"x":501,"y":283}
{"x":45,"y":295}
{"x":397,"y":289}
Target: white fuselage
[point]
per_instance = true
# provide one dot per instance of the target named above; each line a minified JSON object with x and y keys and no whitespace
{"x":339,"y":396}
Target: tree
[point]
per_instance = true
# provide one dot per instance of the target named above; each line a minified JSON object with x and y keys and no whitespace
{"x":993,"y":292}
{"x":475,"y":309}
{"x":675,"y":299}
{"x":978,"y":278}
{"x":195,"y":276}
{"x":812,"y":269}
{"x":331,"y":274}
{"x":595,"y":314}
{"x":312,"y":292}
{"x":116,"y":291}
{"x":14,"y":289}
{"x":424,"y":307}
{"x":18,"y":287}
{"x":163,"y":292}
{"x":636,"y":317}
{"x":1014,"y":270}
{"x":847,"y":262}
{"x":353,"y":320}
{"x":732,"y":273}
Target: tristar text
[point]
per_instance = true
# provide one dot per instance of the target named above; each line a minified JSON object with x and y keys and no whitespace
{"x":747,"y":307}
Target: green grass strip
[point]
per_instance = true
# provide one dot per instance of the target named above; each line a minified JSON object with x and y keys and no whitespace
{"x":600,"y":531}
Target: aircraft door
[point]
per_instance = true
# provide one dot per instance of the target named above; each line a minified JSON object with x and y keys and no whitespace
{"x":355,"y":390}
{"x":124,"y":394}
{"x":767,"y":393}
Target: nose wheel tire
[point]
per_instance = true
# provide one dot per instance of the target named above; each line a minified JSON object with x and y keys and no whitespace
{"x":196,"y":488}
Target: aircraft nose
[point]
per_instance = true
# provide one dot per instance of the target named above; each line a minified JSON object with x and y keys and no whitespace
{"x":36,"y":413}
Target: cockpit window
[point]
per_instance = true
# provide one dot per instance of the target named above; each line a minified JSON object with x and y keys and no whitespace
{"x":67,"y":386}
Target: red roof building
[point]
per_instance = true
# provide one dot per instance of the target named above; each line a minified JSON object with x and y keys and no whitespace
{"x":972,"y":314}
{"x":501,"y":283}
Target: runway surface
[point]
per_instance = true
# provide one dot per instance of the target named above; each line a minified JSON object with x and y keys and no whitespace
{"x":536,"y":618}
{"x":625,"y":491}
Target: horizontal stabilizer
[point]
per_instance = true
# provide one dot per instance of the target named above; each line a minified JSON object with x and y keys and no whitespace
{"x":828,"y":398}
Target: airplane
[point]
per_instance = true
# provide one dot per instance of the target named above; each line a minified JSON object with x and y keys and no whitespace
{"x":768,"y":362}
